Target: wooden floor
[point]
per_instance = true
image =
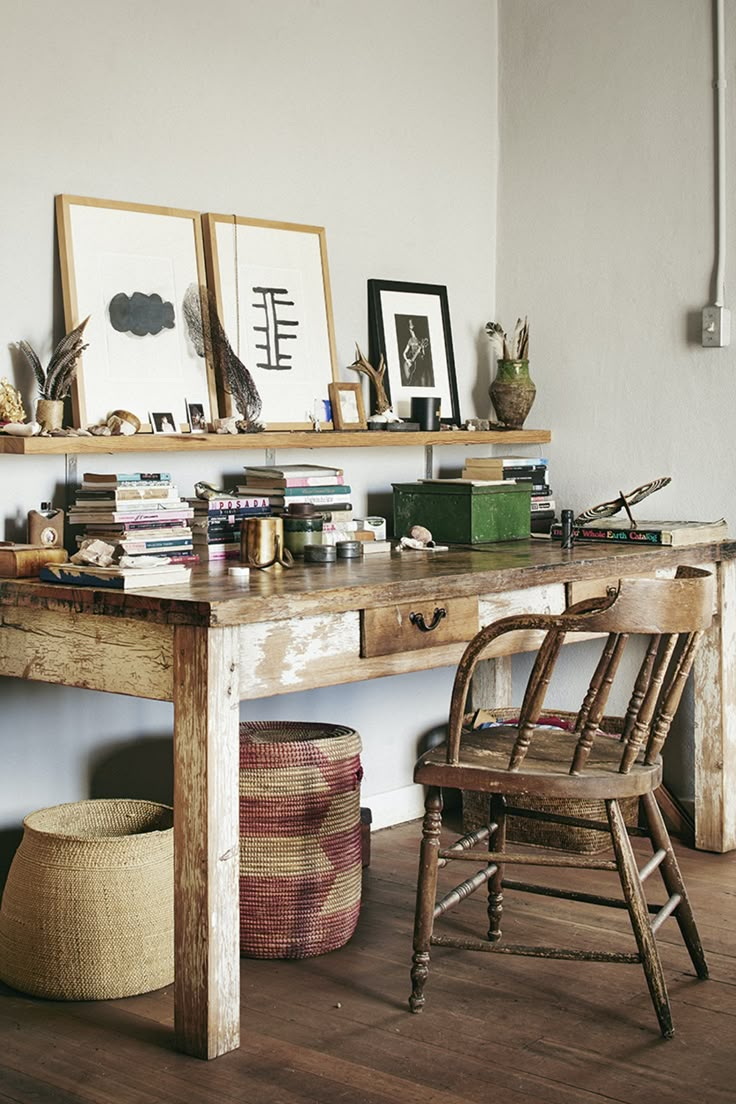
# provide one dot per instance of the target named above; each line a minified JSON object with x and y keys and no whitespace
{"x":336,"y":1028}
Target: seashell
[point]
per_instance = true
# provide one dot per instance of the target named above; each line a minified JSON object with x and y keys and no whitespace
{"x":22,"y":429}
{"x":419,"y":533}
{"x":123,"y":422}
{"x":226,"y":425}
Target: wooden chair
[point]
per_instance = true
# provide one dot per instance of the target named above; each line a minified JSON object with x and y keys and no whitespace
{"x":583,"y":763}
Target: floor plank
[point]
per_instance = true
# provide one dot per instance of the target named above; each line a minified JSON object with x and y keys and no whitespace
{"x":336,"y":1030}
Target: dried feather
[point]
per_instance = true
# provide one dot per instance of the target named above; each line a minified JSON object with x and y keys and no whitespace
{"x":32,"y":357}
{"x":496,"y":336}
{"x":69,"y":341}
{"x":207,"y":334}
{"x":62,"y":370}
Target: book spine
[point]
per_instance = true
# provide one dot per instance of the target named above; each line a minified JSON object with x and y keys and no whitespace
{"x":296,"y":471}
{"x":626,"y":536}
{"x":297,"y":494}
{"x":329,"y":480}
{"x":241,"y":512}
{"x":132,"y":517}
{"x":214,"y":554}
{"x":330,"y":500}
{"x":189,"y":559}
{"x":134,"y":547}
{"x":544,"y":506}
{"x":124,"y":478}
{"x":48,"y":575}
{"x":228,"y":504}
{"x":115,"y":532}
{"x":156,"y":494}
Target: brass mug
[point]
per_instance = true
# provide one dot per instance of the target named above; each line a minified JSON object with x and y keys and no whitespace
{"x":262,"y":543}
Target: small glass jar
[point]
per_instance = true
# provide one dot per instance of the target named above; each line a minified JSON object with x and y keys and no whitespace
{"x":302,"y":525}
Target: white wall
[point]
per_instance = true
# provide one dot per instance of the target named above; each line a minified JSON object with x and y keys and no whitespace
{"x":377,"y":121}
{"x":606,"y":240}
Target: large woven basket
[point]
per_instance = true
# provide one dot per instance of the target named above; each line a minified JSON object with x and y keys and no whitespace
{"x":88,"y":908}
{"x":564,"y":837}
{"x":300,"y":838}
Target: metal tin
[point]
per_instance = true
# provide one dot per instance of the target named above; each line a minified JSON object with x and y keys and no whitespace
{"x":319,"y":553}
{"x":349,"y":550}
{"x":302,"y":529}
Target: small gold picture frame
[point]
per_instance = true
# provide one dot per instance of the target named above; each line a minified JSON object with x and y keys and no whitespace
{"x":347,"y":406}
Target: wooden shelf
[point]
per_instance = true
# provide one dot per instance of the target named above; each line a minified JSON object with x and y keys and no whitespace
{"x":293,"y":439}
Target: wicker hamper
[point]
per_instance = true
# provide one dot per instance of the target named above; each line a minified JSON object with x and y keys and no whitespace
{"x":546,"y":833}
{"x":88,"y":908}
{"x":300,"y":838}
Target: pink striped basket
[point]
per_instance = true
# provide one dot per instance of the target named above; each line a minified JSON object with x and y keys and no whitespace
{"x":300,"y":838}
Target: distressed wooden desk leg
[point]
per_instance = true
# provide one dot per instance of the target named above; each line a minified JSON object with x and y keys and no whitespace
{"x":715,"y":722}
{"x":207,"y":962}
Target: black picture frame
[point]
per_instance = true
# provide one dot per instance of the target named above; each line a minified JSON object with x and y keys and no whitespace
{"x":409,"y":326}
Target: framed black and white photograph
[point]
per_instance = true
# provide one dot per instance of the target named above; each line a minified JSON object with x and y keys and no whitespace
{"x":131,"y":268}
{"x":346,"y":400}
{"x":409,"y":325}
{"x":196,"y":417}
{"x":271,"y":288}
{"x":162,"y":421}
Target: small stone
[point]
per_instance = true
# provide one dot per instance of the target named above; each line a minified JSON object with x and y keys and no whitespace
{"x":419,"y":533}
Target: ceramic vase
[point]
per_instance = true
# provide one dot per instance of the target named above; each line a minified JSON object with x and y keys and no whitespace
{"x":512,"y":392}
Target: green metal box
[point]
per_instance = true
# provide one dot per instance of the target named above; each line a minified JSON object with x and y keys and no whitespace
{"x":457,"y":512}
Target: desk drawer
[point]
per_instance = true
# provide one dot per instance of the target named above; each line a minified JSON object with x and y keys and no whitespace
{"x":412,"y":626}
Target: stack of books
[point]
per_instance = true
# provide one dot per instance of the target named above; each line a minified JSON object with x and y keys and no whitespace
{"x":525,"y":469}
{"x":323,"y":486}
{"x":141,"y":513}
{"x":218,"y":521}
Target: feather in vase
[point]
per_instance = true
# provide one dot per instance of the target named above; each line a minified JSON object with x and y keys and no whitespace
{"x":56,"y":381}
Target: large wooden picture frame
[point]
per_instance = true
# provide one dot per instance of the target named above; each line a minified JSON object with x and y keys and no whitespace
{"x":271,"y":287}
{"x":409,"y":325}
{"x":129,"y":267}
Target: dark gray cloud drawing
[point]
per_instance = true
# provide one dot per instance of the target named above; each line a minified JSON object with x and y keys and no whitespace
{"x":140,"y":314}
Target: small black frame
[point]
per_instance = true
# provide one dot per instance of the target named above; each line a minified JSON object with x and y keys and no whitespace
{"x":409,"y":325}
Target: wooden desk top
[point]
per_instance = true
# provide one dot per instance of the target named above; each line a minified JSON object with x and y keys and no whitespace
{"x":212,"y":598}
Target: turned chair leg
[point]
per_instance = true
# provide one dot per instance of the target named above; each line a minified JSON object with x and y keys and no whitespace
{"x":639,"y":914}
{"x":497,"y":842}
{"x":672,"y":878}
{"x":426,"y":896}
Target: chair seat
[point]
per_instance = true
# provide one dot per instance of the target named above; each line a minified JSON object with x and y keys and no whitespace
{"x":484,"y":758}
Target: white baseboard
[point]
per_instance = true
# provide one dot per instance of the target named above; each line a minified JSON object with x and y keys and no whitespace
{"x":395,"y":807}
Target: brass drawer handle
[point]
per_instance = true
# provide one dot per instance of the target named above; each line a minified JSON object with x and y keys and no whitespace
{"x":418,"y":619}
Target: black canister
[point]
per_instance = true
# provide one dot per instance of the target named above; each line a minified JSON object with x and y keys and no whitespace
{"x":566,"y":535}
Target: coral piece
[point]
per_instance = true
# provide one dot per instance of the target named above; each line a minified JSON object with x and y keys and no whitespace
{"x":11,"y":404}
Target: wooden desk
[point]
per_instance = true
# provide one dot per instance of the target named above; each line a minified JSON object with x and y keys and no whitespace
{"x":208,"y":645}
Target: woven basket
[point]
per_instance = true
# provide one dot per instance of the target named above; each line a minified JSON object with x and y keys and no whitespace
{"x":300,"y":838}
{"x":564,"y":837}
{"x":88,"y":908}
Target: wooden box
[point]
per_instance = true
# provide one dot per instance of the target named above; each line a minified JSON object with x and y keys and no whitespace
{"x":464,"y":512}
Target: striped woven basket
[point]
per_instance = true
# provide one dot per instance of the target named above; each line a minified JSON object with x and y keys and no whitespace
{"x":300,"y":838}
{"x":88,"y":907}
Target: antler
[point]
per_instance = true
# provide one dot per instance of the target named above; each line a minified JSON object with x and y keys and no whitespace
{"x":375,"y":375}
